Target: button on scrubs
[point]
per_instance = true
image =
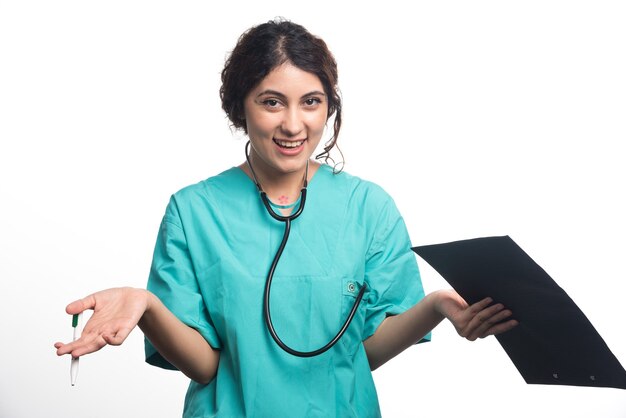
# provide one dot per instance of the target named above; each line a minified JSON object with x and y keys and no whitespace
{"x":213,"y":251}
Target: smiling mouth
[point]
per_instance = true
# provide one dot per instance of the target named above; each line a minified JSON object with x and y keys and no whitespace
{"x":288,"y":144}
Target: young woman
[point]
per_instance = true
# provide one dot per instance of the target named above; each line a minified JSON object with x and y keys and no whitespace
{"x":333,"y":246}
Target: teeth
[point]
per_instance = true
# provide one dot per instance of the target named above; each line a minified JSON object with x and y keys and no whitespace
{"x":289,"y":144}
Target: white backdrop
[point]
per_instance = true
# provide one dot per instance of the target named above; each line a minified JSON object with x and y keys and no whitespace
{"x":480,"y":118}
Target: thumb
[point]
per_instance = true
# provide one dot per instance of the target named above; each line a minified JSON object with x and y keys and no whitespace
{"x":81,"y":305}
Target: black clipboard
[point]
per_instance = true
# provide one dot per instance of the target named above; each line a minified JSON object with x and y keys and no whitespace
{"x":554,"y":343}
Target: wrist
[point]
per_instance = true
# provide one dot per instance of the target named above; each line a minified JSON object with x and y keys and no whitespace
{"x":151,"y":306}
{"x":151,"y":300}
{"x":443,"y":300}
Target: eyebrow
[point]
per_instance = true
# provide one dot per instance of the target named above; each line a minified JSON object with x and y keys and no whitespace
{"x":282,"y":96}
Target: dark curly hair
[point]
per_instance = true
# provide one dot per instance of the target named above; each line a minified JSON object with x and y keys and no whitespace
{"x":264,"y":47}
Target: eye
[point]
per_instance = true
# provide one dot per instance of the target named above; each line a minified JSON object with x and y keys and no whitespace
{"x":271,"y":103}
{"x":312,"y":101}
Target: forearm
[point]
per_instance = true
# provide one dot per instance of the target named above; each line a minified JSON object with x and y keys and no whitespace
{"x":181,"y":345}
{"x":397,"y":333}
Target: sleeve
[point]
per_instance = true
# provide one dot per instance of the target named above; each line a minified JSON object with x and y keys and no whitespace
{"x":173,"y":280}
{"x":391,"y":271}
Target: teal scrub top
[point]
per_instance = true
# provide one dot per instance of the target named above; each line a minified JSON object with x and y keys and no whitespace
{"x":214,"y":248}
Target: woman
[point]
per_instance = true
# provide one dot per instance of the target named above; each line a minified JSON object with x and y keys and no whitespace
{"x":204,"y":312}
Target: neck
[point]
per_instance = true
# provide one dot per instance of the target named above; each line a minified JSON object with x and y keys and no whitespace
{"x":281,"y":188}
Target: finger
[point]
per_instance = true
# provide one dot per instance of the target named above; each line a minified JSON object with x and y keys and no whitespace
{"x":88,"y":346}
{"x":500,"y":328}
{"x":59,"y":345}
{"x":499,"y":316}
{"x":87,"y":343}
{"x":116,"y":331}
{"x":63,"y":348}
{"x":485,"y":319}
{"x":488,"y":314}
{"x":482,"y":317}
{"x":117,"y":337}
{"x":493,"y":325}
{"x":81,"y":305}
{"x":480,"y":305}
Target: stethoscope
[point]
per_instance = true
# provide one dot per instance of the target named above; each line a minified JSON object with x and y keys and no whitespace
{"x":270,"y":275}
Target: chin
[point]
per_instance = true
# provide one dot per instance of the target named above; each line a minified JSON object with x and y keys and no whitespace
{"x":292,"y":168}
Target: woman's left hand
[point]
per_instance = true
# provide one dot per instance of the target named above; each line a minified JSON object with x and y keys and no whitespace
{"x":475,"y":321}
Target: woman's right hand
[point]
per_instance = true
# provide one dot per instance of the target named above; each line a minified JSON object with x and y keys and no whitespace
{"x":116,"y":312}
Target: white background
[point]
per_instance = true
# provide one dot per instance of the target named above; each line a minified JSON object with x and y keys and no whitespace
{"x":480,"y":118}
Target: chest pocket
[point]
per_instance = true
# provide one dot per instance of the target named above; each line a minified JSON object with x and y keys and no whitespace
{"x":350,"y":289}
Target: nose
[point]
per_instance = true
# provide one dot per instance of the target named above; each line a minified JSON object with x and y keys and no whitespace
{"x":292,"y":123}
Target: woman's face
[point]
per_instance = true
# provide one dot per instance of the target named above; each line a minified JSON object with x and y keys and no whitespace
{"x":285,"y":117}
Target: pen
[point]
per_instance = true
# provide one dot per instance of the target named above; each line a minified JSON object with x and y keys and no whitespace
{"x":74,"y":365}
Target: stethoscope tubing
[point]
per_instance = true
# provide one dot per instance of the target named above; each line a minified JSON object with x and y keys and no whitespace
{"x":267,"y":315}
{"x":266,"y":296}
